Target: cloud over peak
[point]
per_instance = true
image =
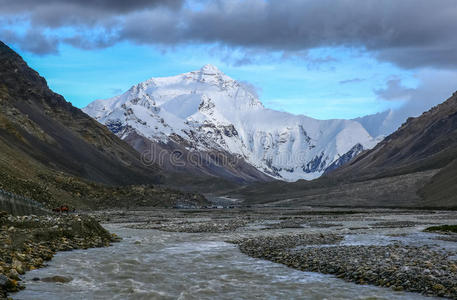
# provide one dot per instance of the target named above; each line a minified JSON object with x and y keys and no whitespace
{"x":408,"y":33}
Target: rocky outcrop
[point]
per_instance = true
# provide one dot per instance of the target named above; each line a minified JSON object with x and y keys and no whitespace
{"x":345,"y":158}
{"x":27,"y":242}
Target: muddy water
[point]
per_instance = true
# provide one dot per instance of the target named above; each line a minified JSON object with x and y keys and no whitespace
{"x":151,"y":264}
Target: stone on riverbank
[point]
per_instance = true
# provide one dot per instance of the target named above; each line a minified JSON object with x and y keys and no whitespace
{"x":400,"y":267}
{"x":57,"y":278}
{"x":26,"y":242}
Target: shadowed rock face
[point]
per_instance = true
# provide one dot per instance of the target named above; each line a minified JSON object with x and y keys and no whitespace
{"x":345,"y":158}
{"x":54,"y":153}
{"x":415,"y":166}
{"x":44,"y":127}
{"x":175,"y":157}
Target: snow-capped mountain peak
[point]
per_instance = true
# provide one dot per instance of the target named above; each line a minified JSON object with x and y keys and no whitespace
{"x":210,"y":69}
{"x":212,"y":112}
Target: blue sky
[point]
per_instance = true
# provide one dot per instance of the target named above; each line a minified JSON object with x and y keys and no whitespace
{"x":322,"y":58}
{"x":325,"y":83}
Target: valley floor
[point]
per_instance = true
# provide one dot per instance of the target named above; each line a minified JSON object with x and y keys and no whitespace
{"x":260,"y":252}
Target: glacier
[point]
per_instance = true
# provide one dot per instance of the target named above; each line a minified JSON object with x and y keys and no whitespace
{"x":211,"y":111}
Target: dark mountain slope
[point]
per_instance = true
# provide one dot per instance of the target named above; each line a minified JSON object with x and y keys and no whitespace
{"x":442,"y":188}
{"x":414,"y":166}
{"x":422,"y":143}
{"x":52,"y":152}
{"x":42,"y":124}
{"x":175,"y":157}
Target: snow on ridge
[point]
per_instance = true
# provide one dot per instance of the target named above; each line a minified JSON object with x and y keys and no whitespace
{"x":212,"y":111}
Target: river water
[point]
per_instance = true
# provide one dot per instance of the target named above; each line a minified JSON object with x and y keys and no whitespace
{"x":152,"y":264}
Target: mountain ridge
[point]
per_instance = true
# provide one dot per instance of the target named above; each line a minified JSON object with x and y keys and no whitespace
{"x":412,"y":167}
{"x":210,"y":111}
{"x":53,"y":152}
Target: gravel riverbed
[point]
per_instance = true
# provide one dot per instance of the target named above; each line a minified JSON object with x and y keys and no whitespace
{"x":386,"y":250}
{"x":392,"y":251}
{"x":28,"y":242}
{"x":409,"y":268}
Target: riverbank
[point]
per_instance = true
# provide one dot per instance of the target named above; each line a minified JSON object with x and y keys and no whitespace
{"x":156,"y":264}
{"x":28,"y":242}
{"x":409,"y":268}
{"x":238,"y":253}
{"x":386,"y":248}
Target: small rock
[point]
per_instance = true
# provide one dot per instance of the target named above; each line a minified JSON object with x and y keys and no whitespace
{"x":18,"y":266}
{"x":397,"y":288}
{"x":57,"y":278}
{"x":3,"y":280}
{"x":454,"y":268}
{"x":438,"y":287}
{"x":13,"y":274}
{"x":12,"y":286}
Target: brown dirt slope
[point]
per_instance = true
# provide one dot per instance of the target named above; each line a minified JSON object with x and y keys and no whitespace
{"x":52,"y":152}
{"x":416,"y":166}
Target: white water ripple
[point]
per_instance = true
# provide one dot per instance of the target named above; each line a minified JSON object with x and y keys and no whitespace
{"x":150,"y":264}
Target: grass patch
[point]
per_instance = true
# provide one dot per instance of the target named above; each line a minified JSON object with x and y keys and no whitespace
{"x":442,"y":228}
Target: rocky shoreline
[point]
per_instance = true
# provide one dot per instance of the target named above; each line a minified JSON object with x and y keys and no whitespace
{"x":400,"y":267}
{"x":390,"y":249}
{"x":218,"y":226}
{"x":27,"y":242}
{"x":314,"y":244}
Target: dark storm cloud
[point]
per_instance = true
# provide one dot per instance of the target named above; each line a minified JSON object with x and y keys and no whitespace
{"x":409,"y":33}
{"x":107,"y":5}
{"x":55,"y":13}
{"x":32,"y":41}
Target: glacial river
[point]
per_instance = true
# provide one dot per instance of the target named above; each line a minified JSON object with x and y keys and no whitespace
{"x":151,"y":264}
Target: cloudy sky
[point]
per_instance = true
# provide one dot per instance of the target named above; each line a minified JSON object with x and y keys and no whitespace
{"x":322,"y":58}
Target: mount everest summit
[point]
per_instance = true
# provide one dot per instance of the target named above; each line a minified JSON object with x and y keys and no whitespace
{"x":206,"y":111}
